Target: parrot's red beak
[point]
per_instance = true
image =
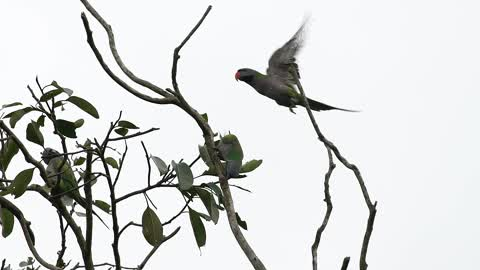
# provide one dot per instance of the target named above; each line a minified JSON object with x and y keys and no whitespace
{"x":237,"y":75}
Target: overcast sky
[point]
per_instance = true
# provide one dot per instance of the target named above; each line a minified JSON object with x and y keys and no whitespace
{"x":412,"y":67}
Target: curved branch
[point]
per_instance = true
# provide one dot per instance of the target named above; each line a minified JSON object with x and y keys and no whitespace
{"x":24,"y":223}
{"x":328,"y":201}
{"x":372,"y":207}
{"x":116,"y":56}
{"x":168,"y":100}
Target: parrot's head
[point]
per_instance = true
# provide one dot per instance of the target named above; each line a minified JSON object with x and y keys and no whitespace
{"x":245,"y":75}
{"x":48,"y":154}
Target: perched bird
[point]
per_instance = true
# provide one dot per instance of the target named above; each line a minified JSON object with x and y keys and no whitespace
{"x":230,"y":150}
{"x":62,"y":179}
{"x":279,"y":83}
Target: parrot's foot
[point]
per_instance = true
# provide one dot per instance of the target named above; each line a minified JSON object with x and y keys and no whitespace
{"x":291,"y":110}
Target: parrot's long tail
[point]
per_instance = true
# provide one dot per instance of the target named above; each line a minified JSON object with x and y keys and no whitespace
{"x":318,"y":106}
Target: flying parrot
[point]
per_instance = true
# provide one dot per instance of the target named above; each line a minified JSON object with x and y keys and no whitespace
{"x":279,"y":83}
{"x":230,"y":150}
{"x":63,"y":179}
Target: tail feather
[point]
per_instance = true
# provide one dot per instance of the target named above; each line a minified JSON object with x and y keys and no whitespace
{"x":318,"y":106}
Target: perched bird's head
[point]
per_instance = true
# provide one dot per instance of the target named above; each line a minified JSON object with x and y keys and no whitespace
{"x":48,"y":154}
{"x":245,"y":75}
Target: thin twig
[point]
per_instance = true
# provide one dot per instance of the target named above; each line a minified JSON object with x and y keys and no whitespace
{"x":149,"y":173}
{"x":131,"y":223}
{"x":133,"y":135}
{"x":179,"y":212}
{"x":346,"y":260}
{"x":329,"y":145}
{"x":154,"y":249}
{"x":328,"y":201}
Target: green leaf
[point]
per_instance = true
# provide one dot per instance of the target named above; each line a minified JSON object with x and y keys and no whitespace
{"x":205,"y":117}
{"x":184,"y":175}
{"x":161,"y":166}
{"x":66,"y":128}
{"x":78,"y":161}
{"x":8,"y":221}
{"x":66,"y":90}
{"x":11,"y":105}
{"x":17,"y":115}
{"x":127,"y":124}
{"x":102,"y":205}
{"x":112,"y":162}
{"x":84,"y":105}
{"x":215,"y":189}
{"x":9,"y":150}
{"x":41,"y":120}
{"x":33,"y":133}
{"x":58,"y":104}
{"x":21,"y":181}
{"x":198,"y":227}
{"x":121,"y":131}
{"x":79,"y":123}
{"x":241,"y":223}
{"x":250,"y":166}
{"x":205,"y":156}
{"x":50,"y":94}
{"x":152,"y":227}
{"x":209,"y":203}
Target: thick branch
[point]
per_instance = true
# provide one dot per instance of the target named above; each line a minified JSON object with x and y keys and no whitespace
{"x":89,"y":212}
{"x":329,"y":145}
{"x":24,"y":224}
{"x":328,"y":201}
{"x":346,"y":260}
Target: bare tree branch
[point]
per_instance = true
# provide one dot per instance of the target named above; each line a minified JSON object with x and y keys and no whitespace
{"x":346,"y":260}
{"x":123,"y":84}
{"x":133,"y":135}
{"x":116,"y":56}
{"x":329,"y":145}
{"x":154,"y":249}
{"x":89,"y":212}
{"x":328,"y":201}
{"x":24,"y":224}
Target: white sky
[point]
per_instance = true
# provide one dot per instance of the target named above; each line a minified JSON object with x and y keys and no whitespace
{"x":412,"y":67}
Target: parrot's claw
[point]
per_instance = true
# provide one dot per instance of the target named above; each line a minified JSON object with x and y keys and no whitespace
{"x":291,"y":110}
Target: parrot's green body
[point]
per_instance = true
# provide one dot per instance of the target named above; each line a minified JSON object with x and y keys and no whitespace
{"x":230,"y":150}
{"x":279,"y":83}
{"x":62,"y":179}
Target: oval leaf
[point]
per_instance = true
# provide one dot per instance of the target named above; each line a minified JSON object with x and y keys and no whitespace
{"x":127,"y":124}
{"x":21,"y":181}
{"x":7,"y":222}
{"x":33,"y":133}
{"x":112,"y":162}
{"x":198,"y":227}
{"x":66,"y":128}
{"x":78,"y":161}
{"x":241,"y":223}
{"x":209,"y":203}
{"x":152,"y":227}
{"x":41,"y":120}
{"x":9,"y":150}
{"x":102,"y":205}
{"x":121,"y":131}
{"x":17,"y":115}
{"x":11,"y":105}
{"x":50,"y":94}
{"x":79,"y":123}
{"x":184,"y":175}
{"x":250,"y":166}
{"x":84,"y":105}
{"x":162,"y":167}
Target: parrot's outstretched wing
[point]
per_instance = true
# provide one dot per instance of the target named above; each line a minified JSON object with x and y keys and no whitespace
{"x":283,"y":58}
